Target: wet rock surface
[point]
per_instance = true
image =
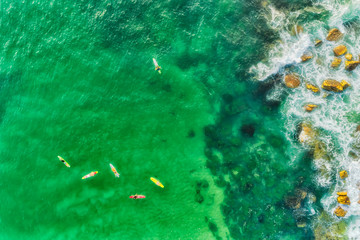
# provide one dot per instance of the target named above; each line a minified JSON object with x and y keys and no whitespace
{"x":292,"y":81}
{"x":343,"y":174}
{"x":332,"y":85}
{"x":334,"y":35}
{"x":351,"y":65}
{"x":340,"y":50}
{"x":340,"y":212}
{"x":312,"y":87}
{"x":336,"y":62}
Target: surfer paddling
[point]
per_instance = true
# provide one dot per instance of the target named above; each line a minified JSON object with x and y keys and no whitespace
{"x":114,"y":170}
{"x":63,"y":161}
{"x":90,"y":175}
{"x":157,"y":67}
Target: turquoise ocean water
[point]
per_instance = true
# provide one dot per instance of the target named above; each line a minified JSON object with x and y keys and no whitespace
{"x":217,"y":127}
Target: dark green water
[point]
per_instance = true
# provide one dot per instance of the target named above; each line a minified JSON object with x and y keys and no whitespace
{"x":77,"y":80}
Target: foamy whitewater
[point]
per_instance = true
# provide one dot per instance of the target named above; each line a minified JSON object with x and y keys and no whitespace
{"x":337,"y":116}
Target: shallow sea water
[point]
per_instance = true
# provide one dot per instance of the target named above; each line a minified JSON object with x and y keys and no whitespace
{"x":77,"y":80}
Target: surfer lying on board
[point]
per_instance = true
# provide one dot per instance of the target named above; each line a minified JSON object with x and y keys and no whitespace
{"x":136,"y":196}
{"x":157,"y":67}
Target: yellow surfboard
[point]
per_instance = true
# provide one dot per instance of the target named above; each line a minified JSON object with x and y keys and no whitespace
{"x":157,"y":182}
{"x":63,"y":161}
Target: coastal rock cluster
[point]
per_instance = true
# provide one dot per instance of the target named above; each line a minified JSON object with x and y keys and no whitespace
{"x":310,"y":136}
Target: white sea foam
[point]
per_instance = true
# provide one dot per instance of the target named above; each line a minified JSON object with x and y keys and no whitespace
{"x":332,"y":117}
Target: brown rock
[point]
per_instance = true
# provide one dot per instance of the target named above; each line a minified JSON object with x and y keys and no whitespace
{"x":340,"y":212}
{"x":343,"y":200}
{"x":310,"y":107}
{"x":296,"y":30}
{"x":312,"y":87}
{"x":292,"y":81}
{"x":348,"y":56}
{"x":306,"y":57}
{"x":334,"y":35}
{"x":342,"y":193}
{"x":336,"y":62}
{"x":318,"y":42}
{"x":344,"y":84}
{"x":340,"y":50}
{"x":343,"y":174}
{"x":332,"y":85}
{"x":351,"y":65}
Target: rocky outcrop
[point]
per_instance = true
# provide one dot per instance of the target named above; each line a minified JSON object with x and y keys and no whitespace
{"x":327,"y":228}
{"x":310,"y":107}
{"x":292,"y":81}
{"x":334,"y":35}
{"x":343,"y":174}
{"x":351,"y":65}
{"x":340,"y":212}
{"x":332,"y":85}
{"x":306,"y":57}
{"x":318,"y":42}
{"x":336,"y":62}
{"x":340,"y":50}
{"x":348,"y":56}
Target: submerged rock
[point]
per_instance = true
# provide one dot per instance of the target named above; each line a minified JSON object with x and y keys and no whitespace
{"x":340,"y":50}
{"x":312,"y":87}
{"x":332,"y":85}
{"x":328,"y":228}
{"x":351,"y":65}
{"x":293,"y":202}
{"x":310,"y":107}
{"x":306,"y":57}
{"x":307,"y":134}
{"x":343,"y":174}
{"x":318,"y":42}
{"x":292,"y":81}
{"x":301,"y":224}
{"x":248,"y":129}
{"x":199,"y":198}
{"x":301,"y":193}
{"x":320,"y":151}
{"x":348,"y":56}
{"x":336,"y":62}
{"x":334,"y":35}
{"x":340,"y":212}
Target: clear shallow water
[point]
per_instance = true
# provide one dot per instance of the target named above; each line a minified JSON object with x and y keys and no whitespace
{"x":78,"y":81}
